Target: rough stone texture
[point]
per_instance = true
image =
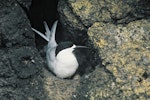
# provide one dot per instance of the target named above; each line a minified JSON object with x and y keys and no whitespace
{"x":78,"y":15}
{"x":14,"y":26}
{"x":125,"y":51}
{"x":23,"y":75}
{"x":59,"y":89}
{"x":20,"y":63}
{"x":98,"y":85}
{"x":120,"y":31}
{"x":71,"y":24}
{"x":19,"y":74}
{"x":25,"y":3}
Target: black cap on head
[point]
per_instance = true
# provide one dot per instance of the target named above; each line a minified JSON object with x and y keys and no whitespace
{"x":63,"y":45}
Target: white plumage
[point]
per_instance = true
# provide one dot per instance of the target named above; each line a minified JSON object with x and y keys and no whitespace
{"x":64,"y":64}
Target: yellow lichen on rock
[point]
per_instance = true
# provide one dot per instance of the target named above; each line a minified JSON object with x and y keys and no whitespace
{"x":124,"y":50}
{"x":116,"y":8}
{"x":98,"y":93}
{"x":82,"y":6}
{"x":101,"y":43}
{"x":139,"y":90}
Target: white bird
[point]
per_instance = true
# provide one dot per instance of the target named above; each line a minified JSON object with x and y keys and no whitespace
{"x":61,"y":59}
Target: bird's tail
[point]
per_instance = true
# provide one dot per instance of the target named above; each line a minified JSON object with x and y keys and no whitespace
{"x":49,"y":34}
{"x":41,"y":34}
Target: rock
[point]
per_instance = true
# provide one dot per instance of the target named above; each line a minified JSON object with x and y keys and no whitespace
{"x":23,"y":75}
{"x":97,"y":85}
{"x":119,"y":30}
{"x":25,"y":3}
{"x":20,"y":63}
{"x":77,"y":16}
{"x":73,"y":27}
{"x":25,"y":61}
{"x":125,"y":52}
{"x":14,"y":25}
{"x":20,"y":74}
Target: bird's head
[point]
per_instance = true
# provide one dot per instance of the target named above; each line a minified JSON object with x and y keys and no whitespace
{"x":68,"y":46}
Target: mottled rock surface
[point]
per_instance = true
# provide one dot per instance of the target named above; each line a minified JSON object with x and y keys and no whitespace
{"x":25,"y":3}
{"x":19,"y":74}
{"x":77,"y":15}
{"x":73,"y":27}
{"x":20,"y":63}
{"x":23,"y":73}
{"x":119,"y":30}
{"x":125,"y":51}
{"x":98,"y":85}
{"x":14,"y":25}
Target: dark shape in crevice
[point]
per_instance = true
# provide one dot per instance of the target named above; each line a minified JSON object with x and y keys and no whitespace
{"x":145,"y":75}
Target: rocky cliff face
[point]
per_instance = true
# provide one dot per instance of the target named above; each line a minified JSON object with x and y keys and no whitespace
{"x":79,"y":15}
{"x":120,"y":31}
{"x":20,"y":63}
{"x":117,"y":30}
{"x":125,"y":52}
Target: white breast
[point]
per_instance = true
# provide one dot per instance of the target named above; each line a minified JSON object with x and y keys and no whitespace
{"x":66,"y":63}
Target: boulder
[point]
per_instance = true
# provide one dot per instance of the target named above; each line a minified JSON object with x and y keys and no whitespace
{"x":119,"y":31}
{"x":124,"y":51}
